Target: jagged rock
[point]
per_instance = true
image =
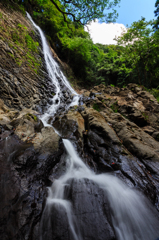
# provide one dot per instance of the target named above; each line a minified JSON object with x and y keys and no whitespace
{"x":24,"y":180}
{"x":46,"y":141}
{"x":95,"y":120}
{"x":155,"y":135}
{"x":19,"y":82}
{"x":71,"y":124}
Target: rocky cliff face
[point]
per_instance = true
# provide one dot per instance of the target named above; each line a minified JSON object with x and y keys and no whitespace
{"x":114,"y":131}
{"x":24,"y":81}
{"x":120,"y":133}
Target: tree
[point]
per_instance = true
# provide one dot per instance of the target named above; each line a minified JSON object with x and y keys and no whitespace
{"x":79,"y":11}
{"x":156,"y":25}
{"x":141,"y":50}
{"x":83,"y":11}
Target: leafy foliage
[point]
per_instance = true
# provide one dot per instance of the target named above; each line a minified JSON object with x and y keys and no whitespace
{"x":156,"y":25}
{"x":135,"y":58}
{"x":79,"y":11}
{"x":82,"y":11}
{"x":141,"y":46}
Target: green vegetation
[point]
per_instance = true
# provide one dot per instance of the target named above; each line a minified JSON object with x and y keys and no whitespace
{"x":25,"y":48}
{"x":156,"y":24}
{"x":32,"y":46}
{"x":134,"y":59}
{"x":30,"y":116}
{"x":145,"y":116}
{"x":155,"y":92}
{"x":77,"y":11}
{"x":96,"y":107}
{"x":114,"y":107}
{"x":11,"y":54}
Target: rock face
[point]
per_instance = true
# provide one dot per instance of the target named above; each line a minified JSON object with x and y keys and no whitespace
{"x":90,"y":209}
{"x":20,"y":85}
{"x":32,"y":157}
{"x":131,"y":102}
{"x":24,"y":81}
{"x":28,"y":152}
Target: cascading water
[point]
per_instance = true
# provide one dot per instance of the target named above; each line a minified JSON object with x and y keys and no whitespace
{"x":54,"y":73}
{"x":131,"y":215}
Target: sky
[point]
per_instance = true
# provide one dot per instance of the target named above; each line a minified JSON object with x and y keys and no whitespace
{"x":129,"y":11}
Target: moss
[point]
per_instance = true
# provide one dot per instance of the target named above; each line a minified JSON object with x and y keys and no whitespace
{"x":114,"y":107}
{"x":11,"y":55}
{"x":146,"y":117}
{"x":1,"y":16}
{"x":19,"y":62}
{"x":11,"y":5}
{"x":23,"y":44}
{"x":96,"y":107}
{"x":21,"y":26}
{"x":32,"y":116}
{"x":28,"y":117}
{"x":75,"y":107}
{"x":31,"y":45}
{"x":35,"y":118}
{"x":154,"y":92}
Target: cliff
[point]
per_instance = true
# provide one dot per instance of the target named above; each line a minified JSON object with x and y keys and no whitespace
{"x":23,"y":78}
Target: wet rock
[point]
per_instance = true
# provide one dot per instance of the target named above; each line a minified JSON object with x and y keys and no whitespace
{"x":86,"y":93}
{"x":96,"y":121}
{"x":24,"y":178}
{"x":155,"y":135}
{"x":76,"y":116}
{"x":71,"y":124}
{"x":148,"y":129}
{"x":46,"y":141}
{"x":90,"y":197}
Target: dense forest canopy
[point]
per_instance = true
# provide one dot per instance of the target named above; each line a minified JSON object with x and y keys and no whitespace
{"x":135,"y":58}
{"x":79,"y":11}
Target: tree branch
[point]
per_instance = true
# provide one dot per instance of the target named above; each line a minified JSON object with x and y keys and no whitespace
{"x":65,"y":13}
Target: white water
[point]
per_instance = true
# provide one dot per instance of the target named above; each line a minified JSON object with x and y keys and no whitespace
{"x":132,"y":218}
{"x":54,"y":73}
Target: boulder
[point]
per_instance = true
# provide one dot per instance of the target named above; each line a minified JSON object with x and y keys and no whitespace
{"x":46,"y":141}
{"x":72,"y":124}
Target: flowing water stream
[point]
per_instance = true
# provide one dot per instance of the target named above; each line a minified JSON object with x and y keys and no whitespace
{"x":132,"y":216}
{"x":54,"y":73}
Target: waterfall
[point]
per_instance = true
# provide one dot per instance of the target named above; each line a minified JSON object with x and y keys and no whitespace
{"x":132,"y":216}
{"x":54,"y":73}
